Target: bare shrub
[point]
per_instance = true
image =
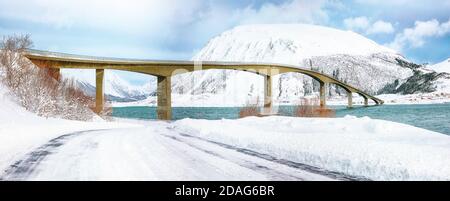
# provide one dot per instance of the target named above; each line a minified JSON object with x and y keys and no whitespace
{"x":35,"y":88}
{"x":107,"y":110}
{"x":251,"y":108}
{"x":311,"y":108}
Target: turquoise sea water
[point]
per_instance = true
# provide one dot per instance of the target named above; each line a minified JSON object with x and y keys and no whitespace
{"x":435,"y":117}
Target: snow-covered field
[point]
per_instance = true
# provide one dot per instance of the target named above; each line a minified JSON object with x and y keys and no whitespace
{"x":187,"y":150}
{"x":154,"y":152}
{"x":376,"y":149}
{"x":191,"y":149}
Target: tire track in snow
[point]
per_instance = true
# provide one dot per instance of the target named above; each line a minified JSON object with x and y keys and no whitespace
{"x":25,"y":167}
{"x":305,"y":167}
{"x":28,"y":166}
{"x":265,"y":170}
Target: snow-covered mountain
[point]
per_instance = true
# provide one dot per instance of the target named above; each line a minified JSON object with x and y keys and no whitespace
{"x":443,"y":82}
{"x":345,"y":55}
{"x":287,"y":43}
{"x":116,"y":88}
{"x":443,"y":67}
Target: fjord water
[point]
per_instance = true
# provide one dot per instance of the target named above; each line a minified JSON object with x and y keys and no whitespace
{"x":435,"y":117}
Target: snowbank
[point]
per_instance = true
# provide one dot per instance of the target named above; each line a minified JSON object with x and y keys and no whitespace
{"x":375,"y":149}
{"x":421,"y":98}
{"x":443,"y":67}
{"x":22,"y":131}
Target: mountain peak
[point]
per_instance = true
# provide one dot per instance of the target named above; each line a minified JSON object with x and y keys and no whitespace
{"x":300,"y":41}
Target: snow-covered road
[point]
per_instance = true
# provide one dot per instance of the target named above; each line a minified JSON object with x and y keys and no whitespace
{"x":157,"y":152}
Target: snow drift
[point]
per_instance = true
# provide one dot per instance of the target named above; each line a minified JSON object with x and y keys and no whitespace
{"x":374,"y":149}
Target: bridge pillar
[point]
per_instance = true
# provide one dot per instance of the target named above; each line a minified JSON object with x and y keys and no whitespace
{"x":350,"y":99}
{"x":267,"y":94}
{"x":164,"y":91}
{"x":366,"y":101}
{"x":99,"y":95}
{"x":322,"y":93}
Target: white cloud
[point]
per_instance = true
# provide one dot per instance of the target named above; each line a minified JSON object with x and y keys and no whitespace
{"x":381,"y":26}
{"x":146,"y":15}
{"x":416,"y":36}
{"x":216,"y":18}
{"x":364,"y":25}
{"x":403,"y":3}
{"x":130,"y":17}
{"x":159,"y":20}
{"x":357,"y":23}
{"x":294,"y":11}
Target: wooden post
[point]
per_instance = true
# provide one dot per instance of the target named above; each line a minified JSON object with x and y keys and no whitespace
{"x":99,"y":95}
{"x":322,"y":94}
{"x":366,"y":101}
{"x":164,"y":91}
{"x":350,"y":99}
{"x":267,"y":94}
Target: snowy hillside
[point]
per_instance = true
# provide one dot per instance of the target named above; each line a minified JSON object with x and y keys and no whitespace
{"x":345,"y":55}
{"x":443,"y":67}
{"x":22,"y":131}
{"x":443,"y":83}
{"x":116,"y":88}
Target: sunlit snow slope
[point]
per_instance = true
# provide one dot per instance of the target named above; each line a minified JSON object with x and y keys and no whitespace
{"x":443,"y":67}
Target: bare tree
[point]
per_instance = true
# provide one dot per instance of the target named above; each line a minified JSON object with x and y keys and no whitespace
{"x":310,"y":108}
{"x":35,"y":89}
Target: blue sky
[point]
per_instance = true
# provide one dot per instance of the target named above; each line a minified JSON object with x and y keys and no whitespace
{"x":177,"y":29}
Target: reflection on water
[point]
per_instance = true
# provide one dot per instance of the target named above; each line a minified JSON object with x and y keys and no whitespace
{"x":434,"y":117}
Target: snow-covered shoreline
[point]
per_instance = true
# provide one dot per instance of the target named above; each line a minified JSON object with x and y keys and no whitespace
{"x":217,"y":100}
{"x":375,"y":149}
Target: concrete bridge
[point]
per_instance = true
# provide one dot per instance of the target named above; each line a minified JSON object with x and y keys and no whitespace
{"x":163,"y":70}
